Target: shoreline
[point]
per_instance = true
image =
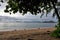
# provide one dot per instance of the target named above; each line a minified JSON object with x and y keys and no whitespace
{"x":4,"y":30}
{"x":25,"y":34}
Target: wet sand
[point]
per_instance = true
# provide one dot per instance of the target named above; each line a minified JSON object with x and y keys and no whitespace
{"x":31,"y":34}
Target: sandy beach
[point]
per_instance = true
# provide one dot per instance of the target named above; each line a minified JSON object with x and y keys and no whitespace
{"x":32,"y":34}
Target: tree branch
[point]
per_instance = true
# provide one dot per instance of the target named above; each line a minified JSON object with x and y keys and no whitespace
{"x":56,"y":11}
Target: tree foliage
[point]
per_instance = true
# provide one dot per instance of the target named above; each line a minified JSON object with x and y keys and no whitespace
{"x":32,"y":6}
{"x":1,"y":1}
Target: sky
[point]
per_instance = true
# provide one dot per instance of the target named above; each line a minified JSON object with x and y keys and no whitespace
{"x":58,"y":0}
{"x":27,"y":16}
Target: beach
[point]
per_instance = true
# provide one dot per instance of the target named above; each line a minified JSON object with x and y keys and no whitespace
{"x":31,"y":34}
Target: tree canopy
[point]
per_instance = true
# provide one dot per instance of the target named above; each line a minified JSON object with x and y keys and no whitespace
{"x":32,"y":6}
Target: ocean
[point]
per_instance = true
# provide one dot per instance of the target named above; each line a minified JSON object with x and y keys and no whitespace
{"x":20,"y":26}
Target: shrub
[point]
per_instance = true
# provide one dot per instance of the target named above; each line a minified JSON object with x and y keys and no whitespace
{"x":56,"y":33}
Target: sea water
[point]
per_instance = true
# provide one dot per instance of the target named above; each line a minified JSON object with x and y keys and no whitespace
{"x":20,"y":26}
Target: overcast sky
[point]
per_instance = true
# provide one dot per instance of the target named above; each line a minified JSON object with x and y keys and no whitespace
{"x":27,"y":16}
{"x":58,"y":0}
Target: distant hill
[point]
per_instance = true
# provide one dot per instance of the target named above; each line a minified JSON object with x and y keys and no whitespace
{"x":49,"y":22}
{"x":13,"y":19}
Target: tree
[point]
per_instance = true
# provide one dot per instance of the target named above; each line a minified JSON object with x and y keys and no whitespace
{"x":33,"y":6}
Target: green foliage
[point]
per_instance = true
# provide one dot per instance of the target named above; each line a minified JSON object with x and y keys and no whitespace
{"x":32,"y":6}
{"x":56,"y":33}
{"x":1,"y":1}
{"x":58,"y":4}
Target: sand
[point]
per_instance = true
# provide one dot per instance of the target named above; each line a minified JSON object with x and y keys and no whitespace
{"x":31,"y":34}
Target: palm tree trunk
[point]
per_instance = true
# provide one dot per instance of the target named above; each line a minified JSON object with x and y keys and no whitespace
{"x":57,"y":14}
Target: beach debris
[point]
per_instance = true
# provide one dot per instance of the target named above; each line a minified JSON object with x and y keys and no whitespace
{"x":48,"y":32}
{"x":38,"y":28}
{"x":30,"y":39}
